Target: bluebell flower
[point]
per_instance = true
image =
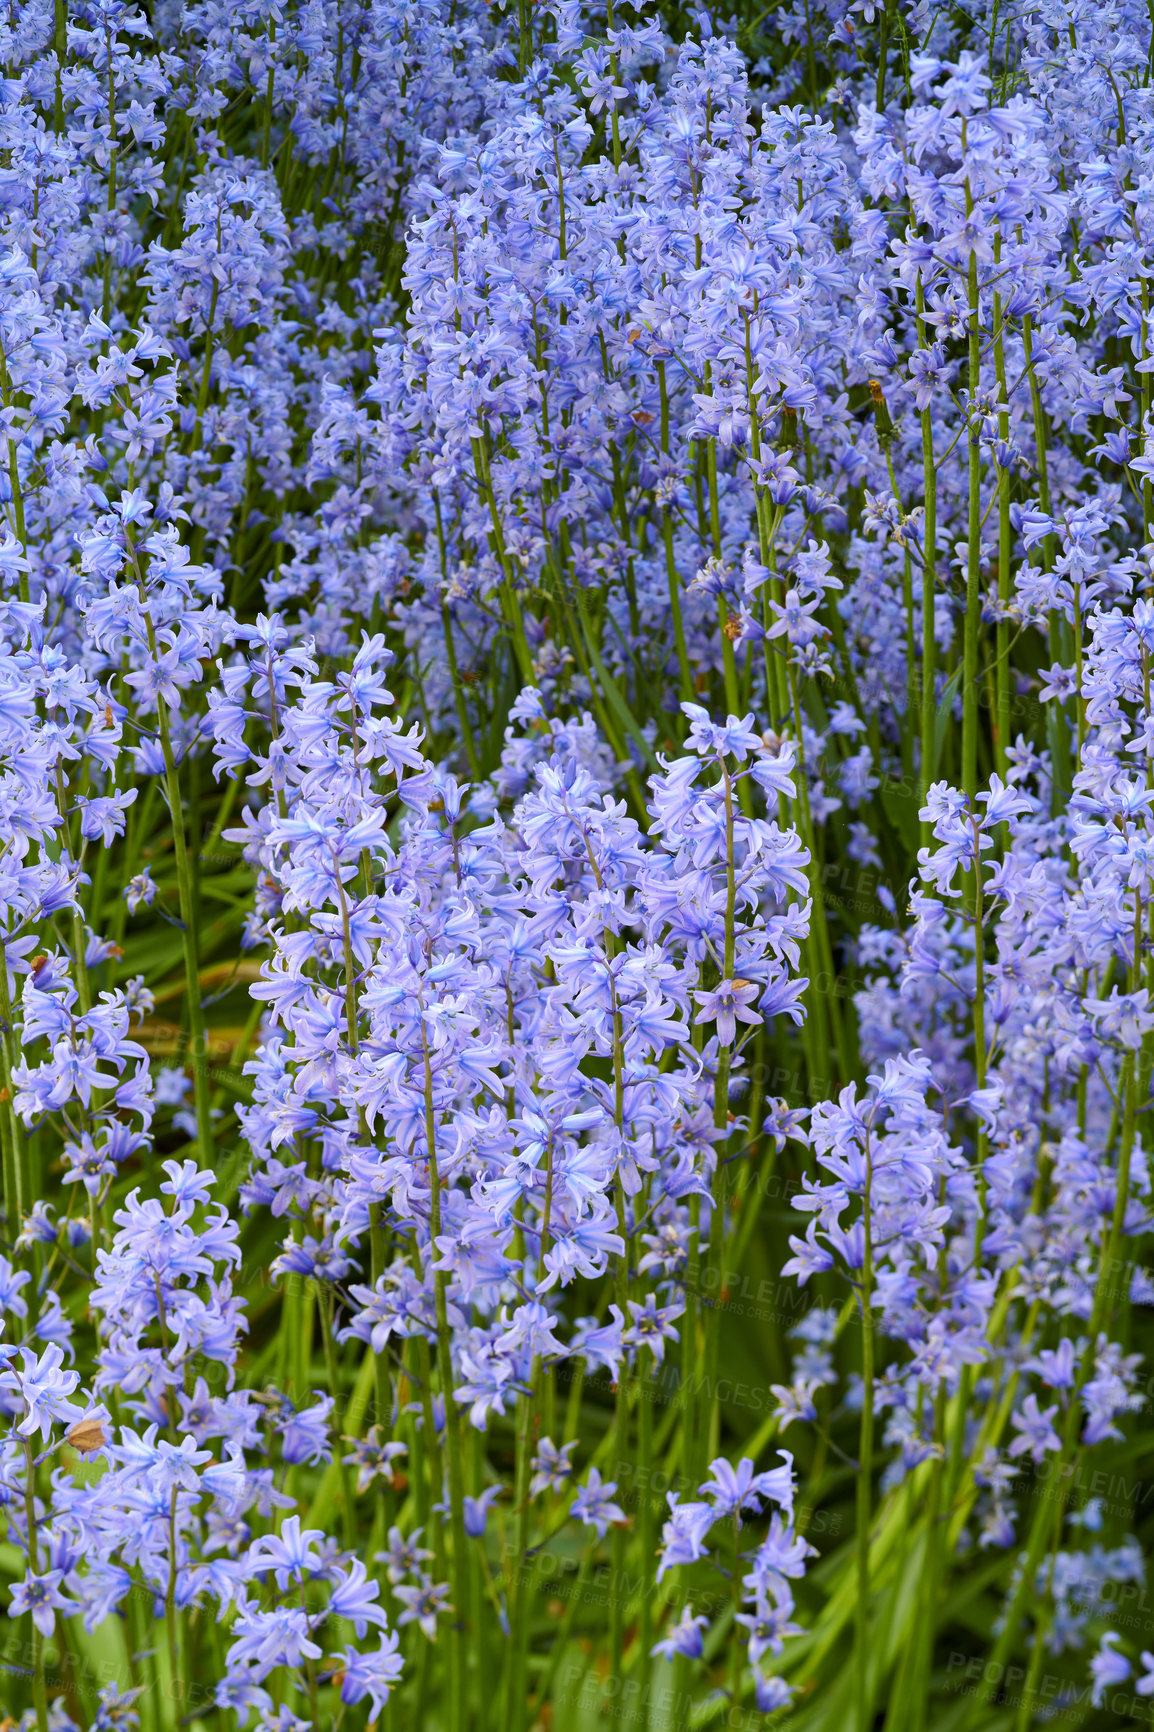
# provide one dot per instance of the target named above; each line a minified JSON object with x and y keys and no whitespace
{"x":1108,"y":1667}
{"x":477,"y":1510}
{"x":684,"y":1637}
{"x":370,"y":1674}
{"x":593,"y":1504}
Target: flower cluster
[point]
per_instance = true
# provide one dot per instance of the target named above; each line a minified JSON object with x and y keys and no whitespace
{"x":576,"y":862}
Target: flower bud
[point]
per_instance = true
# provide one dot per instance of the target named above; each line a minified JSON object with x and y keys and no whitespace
{"x":883,"y":422}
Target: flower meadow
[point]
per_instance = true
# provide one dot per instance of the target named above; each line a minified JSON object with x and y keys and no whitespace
{"x":576,"y":865}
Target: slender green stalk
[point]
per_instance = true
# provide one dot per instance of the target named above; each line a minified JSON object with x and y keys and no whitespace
{"x":1057,"y":732}
{"x":189,"y":916}
{"x":972,"y":627}
{"x":863,"y":1653}
{"x":673,"y":580}
{"x":728,"y":662}
{"x":458,"y":1561}
{"x":510,"y":604}
{"x":736,"y":1654}
{"x":171,"y":1625}
{"x":198,"y":1037}
{"x":60,"y":44}
{"x":703,"y":1394}
{"x":377,"y":1262}
{"x":467,"y":731}
{"x":266,"y":115}
{"x":822,"y":1016}
{"x":19,"y":1193}
{"x":1004,"y":672}
{"x":39,"y":1689}
{"x":929,"y":570}
{"x":524,"y":1578}
{"x":883,"y":55}
{"x":646,"y":1536}
{"x":691,"y":1346}
{"x":332,"y":1372}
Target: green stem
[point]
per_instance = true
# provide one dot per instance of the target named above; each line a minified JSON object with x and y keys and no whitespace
{"x":187,"y":903}
{"x":39,"y":1689}
{"x":510,"y":604}
{"x":60,"y":43}
{"x":929,"y":563}
{"x":647,"y":1536}
{"x":188,"y":916}
{"x":973,"y":551}
{"x":170,"y":1617}
{"x":865,"y":1470}
{"x":459,"y":1574}
{"x":1005,"y":590}
{"x":1057,"y":731}
{"x":685,"y":675}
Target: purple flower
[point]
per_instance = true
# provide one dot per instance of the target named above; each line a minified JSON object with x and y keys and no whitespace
{"x":552,"y":1468}
{"x":423,"y":1603}
{"x":683,"y":1536}
{"x":768,"y":1625}
{"x":652,"y":1325}
{"x":305,"y":1434}
{"x":372,"y":1674}
{"x":727,"y":1005}
{"x":289,"y":1554}
{"x":264,"y":1640}
{"x":1036,"y":1434}
{"x":684,"y":1637}
{"x":40,"y":1595}
{"x":404,"y":1555}
{"x":374,"y":1459}
{"x":1056,"y":1368}
{"x":1108,"y":1667}
{"x":593,"y":1504}
{"x":43,"y":1386}
{"x":354,"y":1597}
{"x":731,"y":1490}
{"x":477,"y":1510}
{"x":771,"y":1693}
